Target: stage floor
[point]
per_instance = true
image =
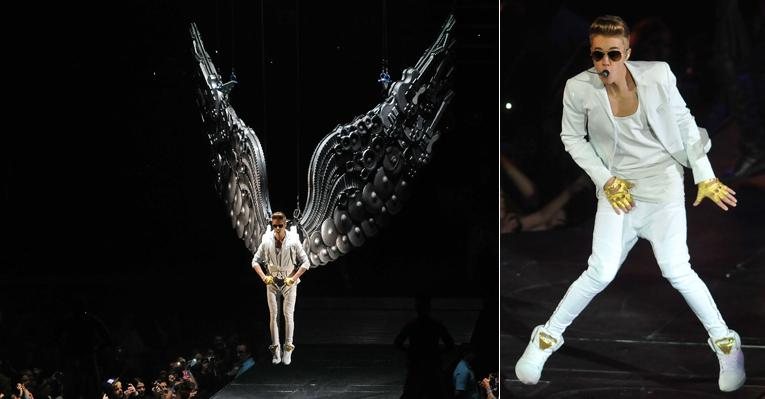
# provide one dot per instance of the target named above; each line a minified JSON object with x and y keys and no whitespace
{"x":638,"y":338}
{"x":325,"y":371}
{"x":344,"y":349}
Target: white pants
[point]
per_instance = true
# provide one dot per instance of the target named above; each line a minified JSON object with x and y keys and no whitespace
{"x":288,"y":306}
{"x":664,"y":226}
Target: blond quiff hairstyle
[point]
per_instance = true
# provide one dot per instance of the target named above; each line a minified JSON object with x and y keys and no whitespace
{"x":609,"y":25}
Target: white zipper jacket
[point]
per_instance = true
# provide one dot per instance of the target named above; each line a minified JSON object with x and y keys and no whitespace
{"x":586,"y":111}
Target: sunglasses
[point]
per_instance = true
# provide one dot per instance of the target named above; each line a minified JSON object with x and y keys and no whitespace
{"x":278,"y":226}
{"x":613,"y":55}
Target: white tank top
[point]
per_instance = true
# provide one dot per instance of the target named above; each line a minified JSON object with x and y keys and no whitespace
{"x":641,"y":159}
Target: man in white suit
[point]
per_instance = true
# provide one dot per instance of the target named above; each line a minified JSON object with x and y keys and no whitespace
{"x":627,"y":126}
{"x":282,"y":254}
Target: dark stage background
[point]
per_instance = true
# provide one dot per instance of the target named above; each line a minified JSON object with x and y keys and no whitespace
{"x":107,"y":188}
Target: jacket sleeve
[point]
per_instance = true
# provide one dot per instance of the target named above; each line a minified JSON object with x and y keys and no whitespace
{"x":573,"y":132}
{"x":689,"y":132}
{"x":302,"y":258}
{"x":260,"y":256}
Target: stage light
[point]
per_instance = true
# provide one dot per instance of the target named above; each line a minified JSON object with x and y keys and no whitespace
{"x":508,"y":105}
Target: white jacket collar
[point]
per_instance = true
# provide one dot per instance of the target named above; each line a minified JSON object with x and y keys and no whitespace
{"x":291,"y":236}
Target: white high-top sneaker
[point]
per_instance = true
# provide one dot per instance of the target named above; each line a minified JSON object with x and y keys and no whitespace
{"x":728,"y":350}
{"x":287,"y":356}
{"x":277,"y":354}
{"x":540,"y":347}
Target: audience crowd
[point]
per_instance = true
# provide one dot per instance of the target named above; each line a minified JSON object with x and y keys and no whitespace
{"x":203,"y":373}
{"x":84,"y":358}
{"x":201,"y":376}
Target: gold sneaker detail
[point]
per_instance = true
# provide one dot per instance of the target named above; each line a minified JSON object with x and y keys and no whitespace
{"x":289,"y":348}
{"x":546,"y":341}
{"x":725,"y":344}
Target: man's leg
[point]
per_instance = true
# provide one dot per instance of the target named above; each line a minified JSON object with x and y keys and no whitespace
{"x":290,"y":296}
{"x":666,"y":230}
{"x":613,"y":237}
{"x":273,"y":322}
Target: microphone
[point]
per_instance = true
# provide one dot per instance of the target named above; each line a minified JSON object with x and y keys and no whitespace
{"x":605,"y":73}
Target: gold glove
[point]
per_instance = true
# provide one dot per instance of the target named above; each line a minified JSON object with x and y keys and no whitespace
{"x":289,"y":281}
{"x":618,"y":194}
{"x":716,"y":191}
{"x":268,"y":280}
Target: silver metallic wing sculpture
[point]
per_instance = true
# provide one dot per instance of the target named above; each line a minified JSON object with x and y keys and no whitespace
{"x":360,"y":173}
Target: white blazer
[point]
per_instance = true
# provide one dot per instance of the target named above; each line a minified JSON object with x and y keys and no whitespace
{"x":282,"y":264}
{"x":586,"y":111}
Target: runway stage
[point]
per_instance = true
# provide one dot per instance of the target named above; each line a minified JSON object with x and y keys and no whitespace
{"x":344,"y":349}
{"x":325,"y":371}
{"x":638,"y":338}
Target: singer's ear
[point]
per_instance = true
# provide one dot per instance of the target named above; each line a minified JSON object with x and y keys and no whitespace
{"x":627,"y":56}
